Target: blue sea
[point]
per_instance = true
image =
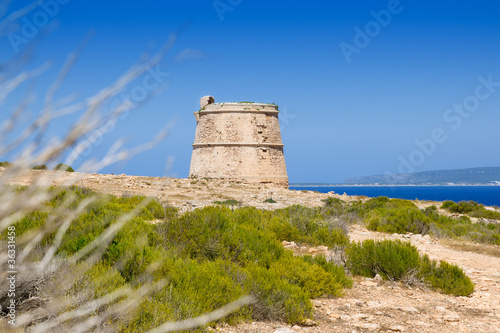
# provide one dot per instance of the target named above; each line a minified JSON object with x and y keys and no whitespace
{"x":487,"y":195}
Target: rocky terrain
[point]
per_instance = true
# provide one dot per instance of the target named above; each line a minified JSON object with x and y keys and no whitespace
{"x":185,"y":194}
{"x":372,"y":305}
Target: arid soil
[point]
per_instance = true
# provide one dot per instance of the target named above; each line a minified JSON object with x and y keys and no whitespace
{"x":185,"y":194}
{"x":371,"y":305}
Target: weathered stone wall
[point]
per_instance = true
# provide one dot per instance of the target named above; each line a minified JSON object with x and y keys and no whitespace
{"x":239,"y":141}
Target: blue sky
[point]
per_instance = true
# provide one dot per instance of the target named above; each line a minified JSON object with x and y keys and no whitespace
{"x":352,"y":104}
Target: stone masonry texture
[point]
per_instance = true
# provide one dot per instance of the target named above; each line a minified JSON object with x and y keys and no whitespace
{"x":238,"y":142}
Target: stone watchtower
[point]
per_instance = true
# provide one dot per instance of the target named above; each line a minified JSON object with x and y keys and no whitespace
{"x":238,"y":141}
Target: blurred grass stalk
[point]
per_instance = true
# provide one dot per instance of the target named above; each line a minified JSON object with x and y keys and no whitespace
{"x":55,"y":275}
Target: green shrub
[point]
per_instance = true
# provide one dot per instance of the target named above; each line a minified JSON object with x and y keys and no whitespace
{"x":385,"y":202}
{"x":446,"y":278}
{"x":270,"y":200}
{"x":99,"y":280}
{"x":332,"y":202}
{"x":471,"y":208}
{"x":330,"y":267}
{"x":462,"y":207}
{"x":395,"y":260}
{"x":218,"y":232}
{"x":308,"y":275}
{"x":229,"y":202}
{"x":40,"y":167}
{"x":485,"y":214}
{"x":276,"y":298}
{"x":5,"y":164}
{"x":64,"y":167}
{"x":307,"y":225}
{"x":398,"y":220}
{"x":194,"y":288}
{"x":401,"y":216}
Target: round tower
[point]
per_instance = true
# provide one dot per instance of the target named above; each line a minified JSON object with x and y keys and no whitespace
{"x":238,"y":142}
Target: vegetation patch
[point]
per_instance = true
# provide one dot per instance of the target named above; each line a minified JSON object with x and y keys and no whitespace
{"x":208,"y":257}
{"x":470,"y":208}
{"x":64,"y":167}
{"x":396,"y":260}
{"x":212,"y":256}
{"x":229,"y":202}
{"x":40,"y":167}
{"x":402,"y":216}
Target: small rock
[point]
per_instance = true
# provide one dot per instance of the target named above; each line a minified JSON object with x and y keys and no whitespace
{"x":308,"y":323}
{"x":373,"y":304}
{"x":368,"y":283}
{"x":334,"y":316}
{"x":451,"y":318}
{"x":368,"y":326}
{"x":361,"y":316}
{"x":296,"y":327}
{"x":377,"y":278}
{"x":441,"y":309}
{"x":397,"y":328}
{"x":410,"y":309}
{"x":284,"y":330}
{"x":345,"y":317}
{"x":322,"y":248}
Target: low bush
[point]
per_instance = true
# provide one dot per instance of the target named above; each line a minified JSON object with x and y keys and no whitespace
{"x":398,"y":220}
{"x":98,"y":280}
{"x":470,"y":208}
{"x":391,"y":259}
{"x":446,"y":278}
{"x":64,"y":167}
{"x":270,"y":200}
{"x":402,"y":216}
{"x":395,"y":260}
{"x":40,"y":167}
{"x":229,"y":202}
{"x":462,"y":207}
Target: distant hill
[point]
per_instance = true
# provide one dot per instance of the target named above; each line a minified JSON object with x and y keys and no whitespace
{"x":473,"y":176}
